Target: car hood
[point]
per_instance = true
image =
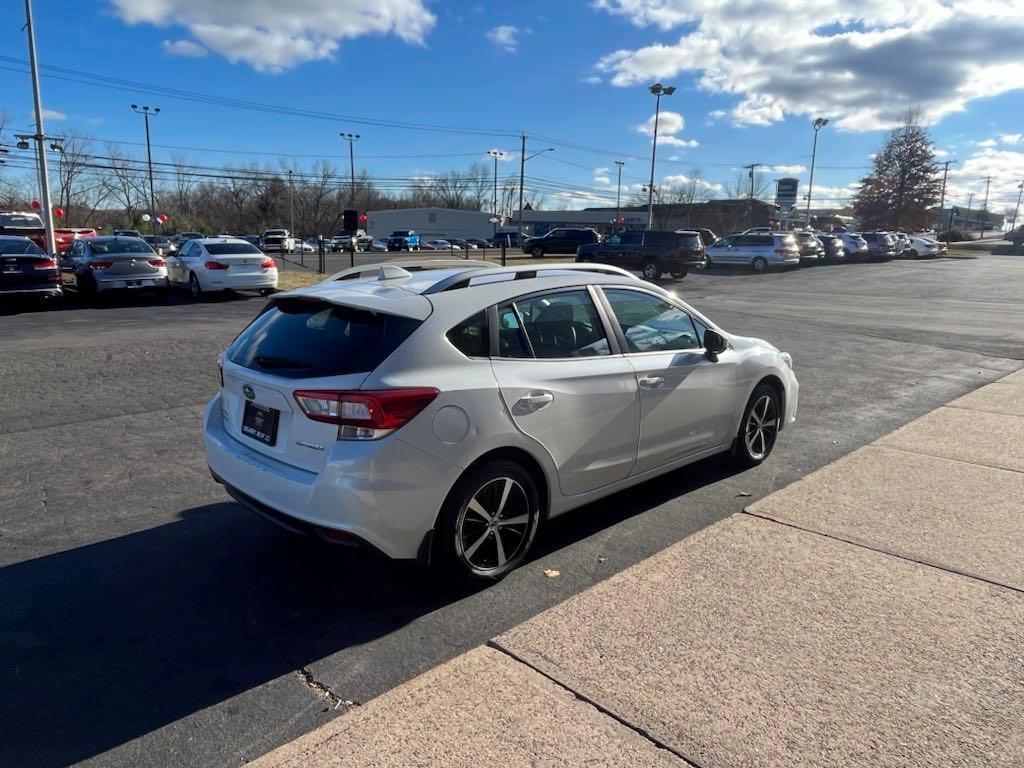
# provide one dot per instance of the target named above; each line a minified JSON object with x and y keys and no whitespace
{"x":744,"y":343}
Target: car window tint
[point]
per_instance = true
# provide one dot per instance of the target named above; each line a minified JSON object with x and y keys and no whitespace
{"x":564,"y":324}
{"x":631,"y":238}
{"x":19,"y":246}
{"x":121,"y":246}
{"x":658,"y":238}
{"x":651,"y":324}
{"x":470,"y":336}
{"x":688,"y":240}
{"x":229,"y":249}
{"x":511,"y":341}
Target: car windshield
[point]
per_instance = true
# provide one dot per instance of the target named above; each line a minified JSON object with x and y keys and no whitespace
{"x":298,"y":338}
{"x":19,"y":246}
{"x":228,"y":249}
{"x":20,"y":220}
{"x":131,"y":245}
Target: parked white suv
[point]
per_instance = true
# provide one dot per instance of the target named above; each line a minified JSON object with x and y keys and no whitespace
{"x":444,"y":414}
{"x":757,"y":250}
{"x":855,"y":245}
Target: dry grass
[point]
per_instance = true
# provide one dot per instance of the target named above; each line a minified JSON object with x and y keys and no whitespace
{"x":289,"y":279}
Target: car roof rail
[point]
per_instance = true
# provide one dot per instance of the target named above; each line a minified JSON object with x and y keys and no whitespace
{"x":526,"y":272}
{"x":409,"y":266}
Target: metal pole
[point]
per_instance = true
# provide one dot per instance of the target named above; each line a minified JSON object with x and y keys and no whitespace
{"x":149,"y":160}
{"x":291,"y":204}
{"x":810,"y":183}
{"x":522,"y":178}
{"x":618,"y":197}
{"x":1020,"y":191}
{"x":494,"y":197}
{"x":945,"y":173}
{"x":970,"y":201}
{"x":44,"y":173}
{"x":988,"y":182}
{"x":352,"y":169}
{"x":654,"y":152}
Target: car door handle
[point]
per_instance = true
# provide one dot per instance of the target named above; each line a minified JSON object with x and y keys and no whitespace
{"x":534,"y":401}
{"x":651,"y":382}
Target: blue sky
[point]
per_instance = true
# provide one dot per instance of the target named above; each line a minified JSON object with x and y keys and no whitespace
{"x":572,"y":72}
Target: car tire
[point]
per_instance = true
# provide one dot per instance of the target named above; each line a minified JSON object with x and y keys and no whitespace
{"x":759,"y":264}
{"x":759,"y":428}
{"x":267,"y":291}
{"x":195,"y":290}
{"x":651,"y":270}
{"x":681,"y":274}
{"x":537,"y":252}
{"x":468,"y":545}
{"x":85,"y":286}
{"x":913,"y":254}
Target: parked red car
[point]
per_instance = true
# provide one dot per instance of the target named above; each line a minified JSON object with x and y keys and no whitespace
{"x":65,"y":236}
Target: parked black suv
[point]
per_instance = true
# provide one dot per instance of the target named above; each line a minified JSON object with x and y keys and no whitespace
{"x":652,"y":253}
{"x":563,"y":240}
{"x":881,"y":245}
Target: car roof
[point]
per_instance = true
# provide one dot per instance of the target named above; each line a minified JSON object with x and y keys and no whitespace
{"x":106,"y":238}
{"x":222,"y":239}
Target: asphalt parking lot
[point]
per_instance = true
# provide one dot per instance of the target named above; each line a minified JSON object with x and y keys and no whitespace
{"x":148,"y":620}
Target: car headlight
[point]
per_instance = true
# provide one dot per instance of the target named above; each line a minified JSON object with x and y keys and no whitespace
{"x":787,"y":359}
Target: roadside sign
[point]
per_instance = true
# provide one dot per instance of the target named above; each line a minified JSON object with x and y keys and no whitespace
{"x":785,"y":192}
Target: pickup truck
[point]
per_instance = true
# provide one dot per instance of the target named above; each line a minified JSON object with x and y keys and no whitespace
{"x":404,"y":240}
{"x":342,"y":240}
{"x":24,"y":224}
{"x":277,"y":241}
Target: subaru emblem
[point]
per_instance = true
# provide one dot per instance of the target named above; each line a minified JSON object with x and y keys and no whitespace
{"x":249,"y":392}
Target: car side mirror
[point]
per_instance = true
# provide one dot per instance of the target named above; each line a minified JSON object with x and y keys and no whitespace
{"x":714,"y":344}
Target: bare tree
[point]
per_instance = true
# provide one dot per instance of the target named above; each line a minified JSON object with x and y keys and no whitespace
{"x":122,"y":183}
{"x":740,"y":186}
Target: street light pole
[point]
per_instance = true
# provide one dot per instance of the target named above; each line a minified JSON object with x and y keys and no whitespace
{"x":522,"y":177}
{"x":291,"y":204}
{"x":618,"y":196}
{"x":497,"y":154}
{"x":988,"y":182}
{"x":1020,"y":191}
{"x":351,"y":138}
{"x":40,"y":137}
{"x":144,"y":111}
{"x":657,"y":89}
{"x":818,"y":124}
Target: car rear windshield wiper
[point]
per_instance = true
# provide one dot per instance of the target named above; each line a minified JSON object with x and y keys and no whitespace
{"x":269,"y":362}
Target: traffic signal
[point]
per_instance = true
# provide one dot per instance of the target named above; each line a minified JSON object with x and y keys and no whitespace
{"x":362,"y":218}
{"x":350,"y":220}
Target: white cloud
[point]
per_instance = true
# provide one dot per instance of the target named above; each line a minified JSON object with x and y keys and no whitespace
{"x":275,"y":36}
{"x":716,"y":115}
{"x":987,"y":143}
{"x":789,"y":169}
{"x":669,"y":124}
{"x":1011,"y":138}
{"x":941,"y":153}
{"x":682,"y":180}
{"x":603,"y":181}
{"x":827,"y":57}
{"x":49,"y":114}
{"x":184,"y":48}
{"x":1005,"y":166}
{"x":506,"y":37}
{"x":592,"y":80}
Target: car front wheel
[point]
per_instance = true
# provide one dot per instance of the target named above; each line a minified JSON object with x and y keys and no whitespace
{"x":537,"y":252}
{"x":760,"y":264}
{"x":759,"y":427}
{"x":651,"y":270}
{"x":488,"y":522}
{"x":194,"y":289}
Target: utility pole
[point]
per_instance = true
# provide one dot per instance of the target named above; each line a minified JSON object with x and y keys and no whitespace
{"x":945,"y":173}
{"x":497,"y":154}
{"x":291,"y":204}
{"x":522,"y":182}
{"x":988,"y":182}
{"x":967,"y":221}
{"x":351,"y":138}
{"x":818,"y":124}
{"x":40,"y":136}
{"x":144,"y":111}
{"x":1020,"y":191}
{"x":618,"y":197}
{"x":657,"y":89}
{"x":750,"y":202}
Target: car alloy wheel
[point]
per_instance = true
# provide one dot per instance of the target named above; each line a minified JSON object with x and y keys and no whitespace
{"x":194,"y":289}
{"x":759,"y":428}
{"x":537,"y":252}
{"x":913,"y":253}
{"x":760,"y":264}
{"x":651,"y":271}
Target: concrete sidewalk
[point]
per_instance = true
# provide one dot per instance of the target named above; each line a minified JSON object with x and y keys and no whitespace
{"x":871,"y":613}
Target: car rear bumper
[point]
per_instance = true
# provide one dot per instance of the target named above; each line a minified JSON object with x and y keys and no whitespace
{"x":130,"y":283}
{"x":47,"y":290}
{"x":244,"y":282}
{"x":385,"y":492}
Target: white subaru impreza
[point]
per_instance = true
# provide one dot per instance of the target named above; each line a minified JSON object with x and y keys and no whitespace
{"x":443,"y":413}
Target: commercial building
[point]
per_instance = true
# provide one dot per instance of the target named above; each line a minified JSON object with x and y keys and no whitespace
{"x":430,"y":223}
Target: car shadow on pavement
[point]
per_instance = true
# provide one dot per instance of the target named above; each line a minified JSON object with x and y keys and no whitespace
{"x":107,"y":642}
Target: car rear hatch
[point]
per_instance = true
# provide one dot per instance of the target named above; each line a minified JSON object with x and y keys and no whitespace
{"x":20,"y":271}
{"x":128,"y":265}
{"x":239,"y":258}
{"x":313,"y":346}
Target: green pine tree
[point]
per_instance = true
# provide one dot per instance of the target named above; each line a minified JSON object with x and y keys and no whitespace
{"x":903,"y":185}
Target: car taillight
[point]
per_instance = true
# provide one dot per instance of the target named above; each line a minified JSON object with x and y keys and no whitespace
{"x":216,"y":265}
{"x":45,"y":264}
{"x":365,"y":415}
{"x":101,"y":264}
{"x":268,"y":264}
{"x":158,"y":262}
{"x":784,"y":251}
{"x":220,"y":368}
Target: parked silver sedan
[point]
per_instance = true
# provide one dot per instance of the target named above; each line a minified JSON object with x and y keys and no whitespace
{"x":101,"y":264}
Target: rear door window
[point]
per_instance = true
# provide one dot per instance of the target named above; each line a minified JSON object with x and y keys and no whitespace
{"x":631,"y":238}
{"x":557,"y":325}
{"x":470,"y":336}
{"x":297,"y":338}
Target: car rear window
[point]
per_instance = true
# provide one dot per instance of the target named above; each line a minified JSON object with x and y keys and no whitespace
{"x":20,"y":246}
{"x":133,"y":245}
{"x":785,"y":239}
{"x":229,"y":249}
{"x":688,"y":240}
{"x":23,"y":220}
{"x":298,"y":338}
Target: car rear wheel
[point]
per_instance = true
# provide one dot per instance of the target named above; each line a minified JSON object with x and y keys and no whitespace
{"x":537,"y":252}
{"x":759,"y":264}
{"x":85,"y":286}
{"x":759,"y":427}
{"x":488,"y":522}
{"x":194,"y":289}
{"x":680,"y":275}
{"x":913,"y":253}
{"x":651,"y":270}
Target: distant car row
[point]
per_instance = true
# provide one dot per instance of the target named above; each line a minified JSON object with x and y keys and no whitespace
{"x":99,"y":264}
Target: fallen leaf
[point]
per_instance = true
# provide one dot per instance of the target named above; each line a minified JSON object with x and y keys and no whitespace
{"x":551,"y":573}
{"x":602,"y":559}
{"x":743,"y":493}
